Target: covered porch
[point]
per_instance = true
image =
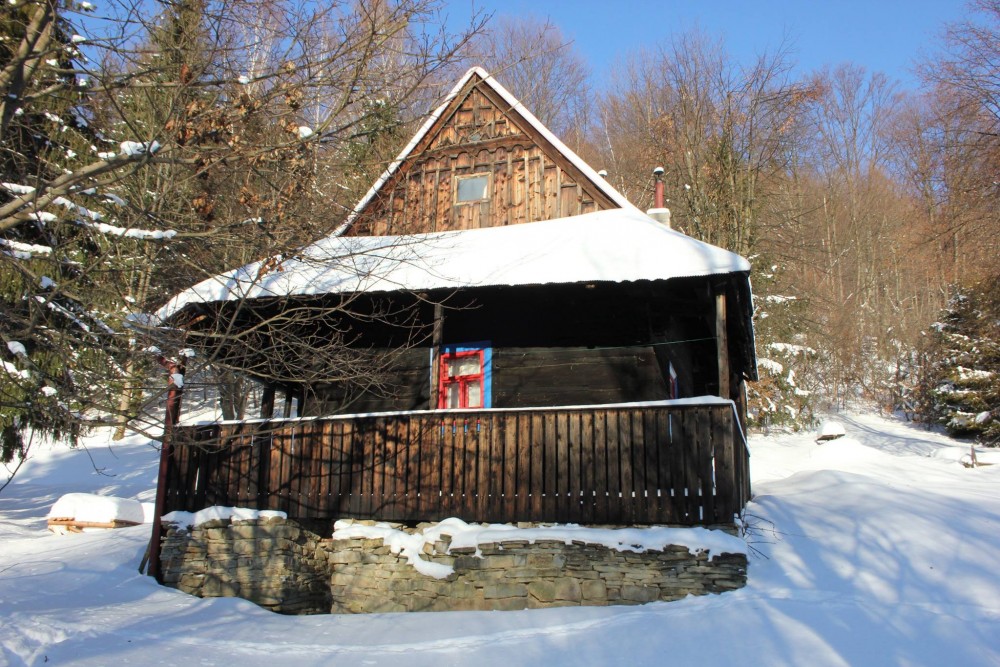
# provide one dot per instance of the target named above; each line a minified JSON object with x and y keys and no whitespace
{"x":681,"y":462}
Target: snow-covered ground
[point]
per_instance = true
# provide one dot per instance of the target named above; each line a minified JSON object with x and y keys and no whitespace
{"x":879,"y":548}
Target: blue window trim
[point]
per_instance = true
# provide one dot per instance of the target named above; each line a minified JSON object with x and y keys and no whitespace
{"x":479,"y":346}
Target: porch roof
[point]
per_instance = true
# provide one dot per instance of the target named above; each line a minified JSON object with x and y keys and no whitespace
{"x":607,"y":246}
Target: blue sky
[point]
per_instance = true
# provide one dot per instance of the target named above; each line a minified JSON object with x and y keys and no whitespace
{"x":882,"y":35}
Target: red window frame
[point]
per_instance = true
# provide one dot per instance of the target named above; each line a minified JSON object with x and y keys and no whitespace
{"x":444,"y":379}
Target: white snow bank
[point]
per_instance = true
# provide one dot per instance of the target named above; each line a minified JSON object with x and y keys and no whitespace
{"x":607,"y":246}
{"x":865,"y":563}
{"x":98,"y":509}
{"x":464,"y":535}
{"x":191,"y":519}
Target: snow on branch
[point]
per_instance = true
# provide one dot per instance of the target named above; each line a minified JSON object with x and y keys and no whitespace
{"x":791,"y":349}
{"x":19,"y":250}
{"x":140,"y":148}
{"x":12,"y":212}
{"x":131,"y":232}
{"x":88,"y":218}
{"x":76,"y":320}
{"x":62,"y":311}
{"x":76,"y":208}
{"x":18,"y":189}
{"x":13,"y":371}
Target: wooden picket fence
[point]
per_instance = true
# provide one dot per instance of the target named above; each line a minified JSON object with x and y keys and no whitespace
{"x":618,"y":464}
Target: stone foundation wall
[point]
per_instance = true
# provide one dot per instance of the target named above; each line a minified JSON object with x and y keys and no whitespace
{"x":280,"y":566}
{"x":272,"y":562}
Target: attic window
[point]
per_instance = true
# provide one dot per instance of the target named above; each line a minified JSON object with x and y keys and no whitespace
{"x":472,"y":188}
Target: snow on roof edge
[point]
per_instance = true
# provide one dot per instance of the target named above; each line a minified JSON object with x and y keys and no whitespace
{"x":612,"y":246}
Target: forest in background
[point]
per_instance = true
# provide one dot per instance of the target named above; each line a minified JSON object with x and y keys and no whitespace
{"x":145,"y":147}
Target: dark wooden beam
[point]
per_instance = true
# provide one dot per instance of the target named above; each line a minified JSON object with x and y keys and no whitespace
{"x":437,"y":339}
{"x":267,"y":402}
{"x":722,"y":344}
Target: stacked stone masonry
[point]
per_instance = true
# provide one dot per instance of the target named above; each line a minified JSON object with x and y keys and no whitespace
{"x":280,"y":566}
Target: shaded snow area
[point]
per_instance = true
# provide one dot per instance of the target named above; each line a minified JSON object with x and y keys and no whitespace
{"x":877,"y":548}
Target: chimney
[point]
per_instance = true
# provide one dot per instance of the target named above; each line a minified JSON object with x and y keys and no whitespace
{"x":659,"y":212}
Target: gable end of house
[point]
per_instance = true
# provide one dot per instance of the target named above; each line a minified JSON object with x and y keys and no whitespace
{"x":481,"y":160}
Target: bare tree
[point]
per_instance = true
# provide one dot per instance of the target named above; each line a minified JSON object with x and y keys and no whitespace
{"x":961,"y":122}
{"x":535,"y":60}
{"x":728,"y":137}
{"x":168,"y":142}
{"x":721,"y":131}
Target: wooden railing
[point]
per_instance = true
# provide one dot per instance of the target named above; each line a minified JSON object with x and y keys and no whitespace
{"x":616,"y":464}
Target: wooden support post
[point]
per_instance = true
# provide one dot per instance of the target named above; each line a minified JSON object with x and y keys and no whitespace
{"x":437,"y":338}
{"x":722,"y":344}
{"x":175,"y":389}
{"x":267,"y":402}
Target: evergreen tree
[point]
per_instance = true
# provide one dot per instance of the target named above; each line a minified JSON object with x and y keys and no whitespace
{"x":962,"y":386}
{"x":49,"y":342}
{"x":785,"y":393}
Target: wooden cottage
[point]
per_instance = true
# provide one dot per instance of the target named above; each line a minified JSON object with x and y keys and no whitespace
{"x":545,"y":350}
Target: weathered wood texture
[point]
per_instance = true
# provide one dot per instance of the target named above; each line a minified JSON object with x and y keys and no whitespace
{"x":541,"y":376}
{"x":672,"y":464}
{"x":521,"y":378}
{"x":528,"y":178}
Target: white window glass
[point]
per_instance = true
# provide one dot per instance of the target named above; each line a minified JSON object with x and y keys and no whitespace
{"x":454,"y":390}
{"x":474,"y":394}
{"x":464,"y":366}
{"x":472,"y":188}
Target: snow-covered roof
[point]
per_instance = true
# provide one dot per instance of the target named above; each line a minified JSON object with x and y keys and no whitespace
{"x":514,"y":105}
{"x":607,"y":246}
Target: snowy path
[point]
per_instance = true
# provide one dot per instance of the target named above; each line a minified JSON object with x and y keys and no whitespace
{"x":877,"y":549}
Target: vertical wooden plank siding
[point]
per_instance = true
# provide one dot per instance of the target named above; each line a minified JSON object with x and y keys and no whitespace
{"x":626,"y":443}
{"x":651,"y":461}
{"x":726,"y":491}
{"x":574,"y":451}
{"x":600,"y":483}
{"x":561,"y":473}
{"x":588,"y":498}
{"x":536,"y":488}
{"x":684,"y":464}
{"x":673,"y":468}
{"x":705,"y":467}
{"x":520,"y":481}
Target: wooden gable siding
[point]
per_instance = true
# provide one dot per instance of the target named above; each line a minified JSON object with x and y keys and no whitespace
{"x":530,"y":180}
